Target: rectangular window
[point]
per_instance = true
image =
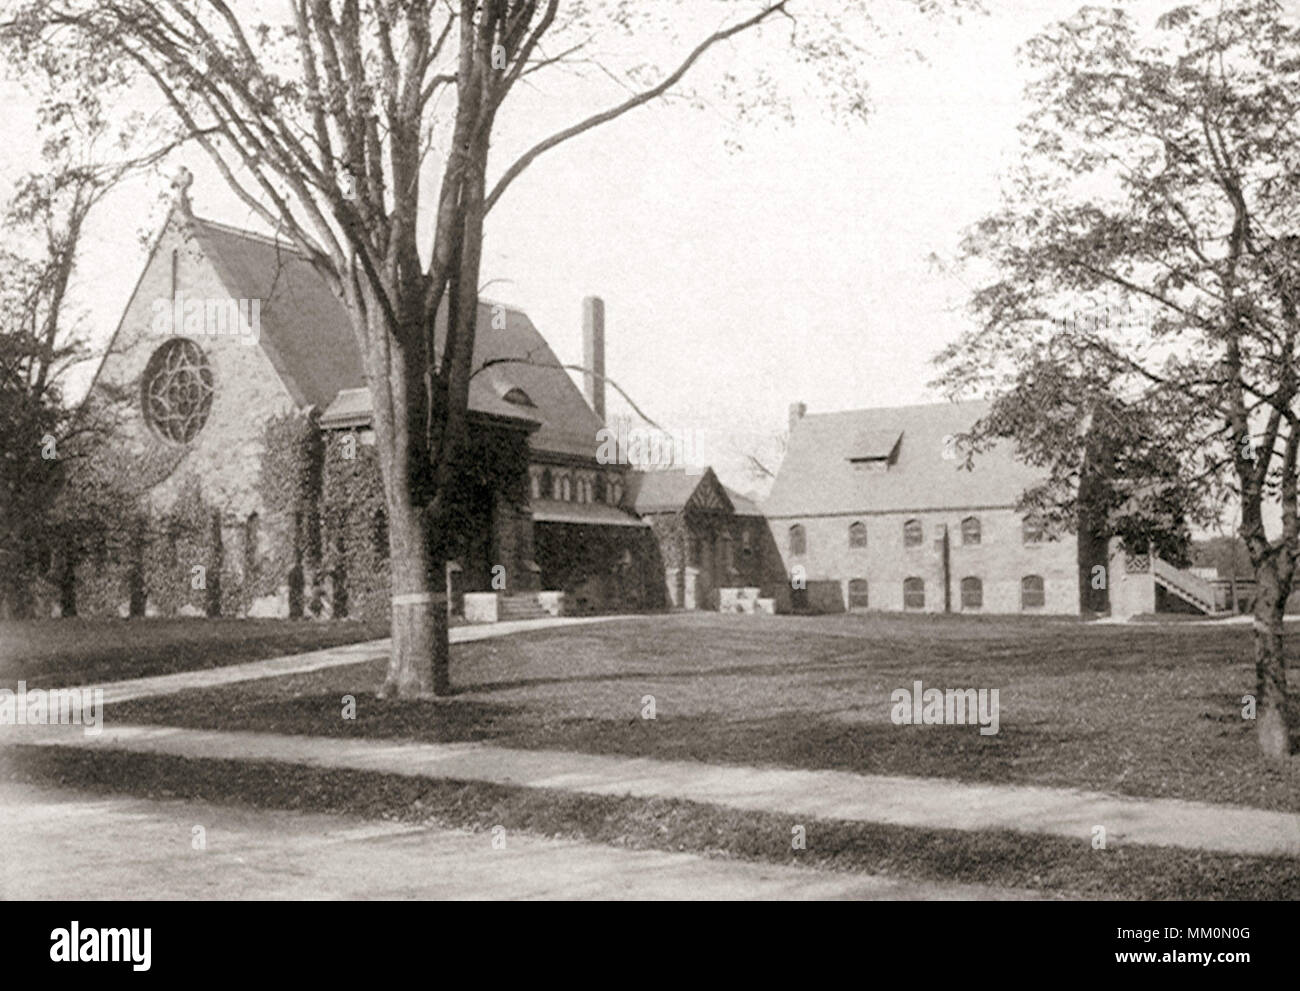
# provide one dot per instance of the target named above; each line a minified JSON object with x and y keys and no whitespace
{"x":858,"y":593}
{"x":1031,"y":530}
{"x":913,"y":534}
{"x":913,"y":593}
{"x":1031,"y":592}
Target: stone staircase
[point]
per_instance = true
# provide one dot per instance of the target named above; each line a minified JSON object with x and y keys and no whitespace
{"x":1189,"y":587}
{"x":521,"y":605}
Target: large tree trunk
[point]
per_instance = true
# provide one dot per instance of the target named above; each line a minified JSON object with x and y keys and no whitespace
{"x":418,"y":665}
{"x":1271,"y":715}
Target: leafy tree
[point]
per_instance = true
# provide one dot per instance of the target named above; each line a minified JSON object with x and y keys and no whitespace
{"x":323,"y":124}
{"x":47,"y":515}
{"x":1160,"y":187}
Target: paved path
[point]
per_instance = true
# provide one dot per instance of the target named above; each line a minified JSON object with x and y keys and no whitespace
{"x":918,"y":802}
{"x":75,"y":846}
{"x":353,"y":653}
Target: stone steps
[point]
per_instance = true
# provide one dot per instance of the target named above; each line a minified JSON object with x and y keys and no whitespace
{"x":521,"y":606}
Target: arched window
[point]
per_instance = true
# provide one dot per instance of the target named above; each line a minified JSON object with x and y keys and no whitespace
{"x":566,"y":487}
{"x":970,"y":530}
{"x":548,"y":484}
{"x":1031,"y":592}
{"x":615,"y":491}
{"x":598,"y":493}
{"x":798,"y":540}
{"x":1031,"y":530}
{"x":972,"y":593}
{"x":858,"y":534}
{"x":913,"y":534}
{"x":913,"y":593}
{"x":535,"y":483}
{"x":857,"y":593}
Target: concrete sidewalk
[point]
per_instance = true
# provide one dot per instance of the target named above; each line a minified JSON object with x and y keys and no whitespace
{"x":917,"y":802}
{"x":353,"y":653}
{"x":73,"y":846}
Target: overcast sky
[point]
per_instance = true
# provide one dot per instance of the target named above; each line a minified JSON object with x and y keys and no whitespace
{"x":736,"y":282}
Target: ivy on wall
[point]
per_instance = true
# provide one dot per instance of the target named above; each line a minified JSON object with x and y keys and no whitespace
{"x":290,"y":484}
{"x":321,"y":539}
{"x":356,"y":528}
{"x":490,"y":475}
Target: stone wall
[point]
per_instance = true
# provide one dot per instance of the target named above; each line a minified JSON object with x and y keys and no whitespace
{"x":1000,"y":560}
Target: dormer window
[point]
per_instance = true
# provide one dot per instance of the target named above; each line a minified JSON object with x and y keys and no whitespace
{"x":874,"y":450}
{"x":518,"y":397}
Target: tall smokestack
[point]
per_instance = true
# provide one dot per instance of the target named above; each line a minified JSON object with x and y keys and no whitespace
{"x":593,"y":353}
{"x":797,"y":410}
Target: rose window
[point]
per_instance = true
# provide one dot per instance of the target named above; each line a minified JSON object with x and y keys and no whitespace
{"x":176,"y":391}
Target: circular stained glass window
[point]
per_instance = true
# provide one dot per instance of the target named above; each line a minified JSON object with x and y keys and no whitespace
{"x":176,"y":391}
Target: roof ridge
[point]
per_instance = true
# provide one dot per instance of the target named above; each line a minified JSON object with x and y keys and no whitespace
{"x":946,"y":403}
{"x":281,"y":242}
{"x":275,"y":240}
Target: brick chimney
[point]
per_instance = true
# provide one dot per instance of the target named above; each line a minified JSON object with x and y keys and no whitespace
{"x":593,"y":353}
{"x":797,"y":410}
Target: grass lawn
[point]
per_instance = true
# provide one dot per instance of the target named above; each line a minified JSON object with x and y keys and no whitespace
{"x":50,"y":653}
{"x":1138,"y":711}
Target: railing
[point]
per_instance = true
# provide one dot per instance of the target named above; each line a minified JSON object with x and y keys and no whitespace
{"x":1192,"y":587}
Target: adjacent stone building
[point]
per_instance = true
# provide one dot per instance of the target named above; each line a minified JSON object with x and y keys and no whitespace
{"x":709,"y":537}
{"x":874,"y":509}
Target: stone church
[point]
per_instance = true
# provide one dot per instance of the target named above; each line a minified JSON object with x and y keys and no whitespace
{"x":229,"y":333}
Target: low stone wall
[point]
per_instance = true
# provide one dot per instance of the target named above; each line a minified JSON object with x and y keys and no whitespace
{"x":481,"y":607}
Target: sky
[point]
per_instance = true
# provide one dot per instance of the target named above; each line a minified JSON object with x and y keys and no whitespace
{"x":736,"y":282}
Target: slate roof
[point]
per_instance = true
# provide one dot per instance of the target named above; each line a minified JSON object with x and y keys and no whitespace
{"x":588,"y":513}
{"x":307,"y":336}
{"x":661,"y":491}
{"x":669,"y":490}
{"x":744,"y":505}
{"x":817,"y":476}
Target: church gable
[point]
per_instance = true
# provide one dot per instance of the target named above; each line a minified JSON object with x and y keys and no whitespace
{"x":710,"y":496}
{"x":198,"y":385}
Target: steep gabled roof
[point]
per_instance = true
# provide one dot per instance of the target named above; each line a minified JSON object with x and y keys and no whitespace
{"x":744,"y":505}
{"x":306,"y":334}
{"x":305,"y":331}
{"x":670,"y":490}
{"x":819,"y":475}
